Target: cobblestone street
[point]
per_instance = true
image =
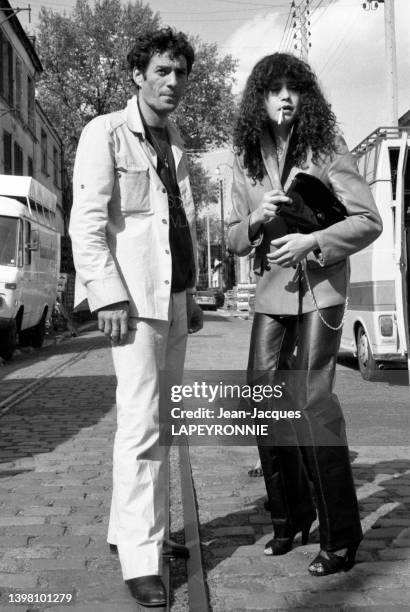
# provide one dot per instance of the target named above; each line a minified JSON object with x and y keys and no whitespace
{"x":55,"y":483}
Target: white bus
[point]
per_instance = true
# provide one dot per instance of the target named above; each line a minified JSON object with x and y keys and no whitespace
{"x":29,"y":261}
{"x":376,"y":327}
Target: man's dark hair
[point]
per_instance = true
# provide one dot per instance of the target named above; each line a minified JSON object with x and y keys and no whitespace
{"x":160,"y":41}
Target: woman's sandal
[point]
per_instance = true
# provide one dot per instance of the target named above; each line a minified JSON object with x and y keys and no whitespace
{"x":323,"y":566}
{"x":281,"y":546}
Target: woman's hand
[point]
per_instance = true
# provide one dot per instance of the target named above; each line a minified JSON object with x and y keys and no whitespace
{"x":266,"y":210}
{"x":291,"y":249}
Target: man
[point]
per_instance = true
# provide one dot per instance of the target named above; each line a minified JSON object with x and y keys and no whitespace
{"x":132,"y":229}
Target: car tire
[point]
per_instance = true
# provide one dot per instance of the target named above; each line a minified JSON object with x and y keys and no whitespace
{"x":8,"y":341}
{"x":38,"y":332}
{"x":367,"y":364}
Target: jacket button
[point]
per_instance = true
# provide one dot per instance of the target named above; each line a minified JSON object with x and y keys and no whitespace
{"x":166,"y":251}
{"x":167,"y":282}
{"x":164,"y":190}
{"x":164,"y":221}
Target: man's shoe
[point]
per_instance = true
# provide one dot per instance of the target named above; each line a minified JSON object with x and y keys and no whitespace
{"x":148,"y":591}
{"x":172,"y":550}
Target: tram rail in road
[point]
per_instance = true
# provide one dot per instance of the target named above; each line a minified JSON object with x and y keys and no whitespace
{"x":39,"y":380}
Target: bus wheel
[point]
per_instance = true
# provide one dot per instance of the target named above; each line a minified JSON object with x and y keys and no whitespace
{"x":367,"y":364}
{"x":8,"y":341}
{"x":38,"y":332}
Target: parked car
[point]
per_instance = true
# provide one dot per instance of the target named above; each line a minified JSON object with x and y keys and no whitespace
{"x":211,"y":298}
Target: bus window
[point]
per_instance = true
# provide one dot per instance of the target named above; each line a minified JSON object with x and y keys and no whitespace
{"x":407,"y":193}
{"x":34,"y":210}
{"x":8,"y":241}
{"x":40,"y":212}
{"x":360,"y":165}
{"x":20,"y":255}
{"x":394,"y":160}
{"x":372,"y":158}
{"x":27,"y":240}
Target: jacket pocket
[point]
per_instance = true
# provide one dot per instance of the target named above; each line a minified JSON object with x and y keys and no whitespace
{"x":134,"y":189}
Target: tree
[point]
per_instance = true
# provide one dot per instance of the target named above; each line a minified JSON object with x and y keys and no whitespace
{"x":204,"y":190}
{"x":205,"y":115}
{"x":83,"y":57}
{"x":85,"y":75}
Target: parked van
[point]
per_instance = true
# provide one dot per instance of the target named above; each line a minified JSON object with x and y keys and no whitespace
{"x":29,"y":261}
{"x":376,"y":327}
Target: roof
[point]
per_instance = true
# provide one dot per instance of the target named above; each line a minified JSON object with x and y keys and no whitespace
{"x":48,"y":123}
{"x":27,"y":187}
{"x":7,"y":9}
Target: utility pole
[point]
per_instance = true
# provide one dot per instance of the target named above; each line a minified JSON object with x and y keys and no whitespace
{"x":391,"y":57}
{"x":301,"y":28}
{"x":390,"y":32}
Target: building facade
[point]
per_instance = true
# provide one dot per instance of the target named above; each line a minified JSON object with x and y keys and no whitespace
{"x":29,"y":144}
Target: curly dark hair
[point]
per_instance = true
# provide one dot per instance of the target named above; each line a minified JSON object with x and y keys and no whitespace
{"x":315,"y":125}
{"x":160,"y":41}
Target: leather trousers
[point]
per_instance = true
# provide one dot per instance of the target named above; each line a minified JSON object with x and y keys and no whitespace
{"x":305,"y":461}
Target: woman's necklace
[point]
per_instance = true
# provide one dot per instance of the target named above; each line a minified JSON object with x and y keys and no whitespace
{"x":279,"y":149}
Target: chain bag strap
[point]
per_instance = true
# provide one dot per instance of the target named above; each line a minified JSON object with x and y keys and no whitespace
{"x":303,"y":265}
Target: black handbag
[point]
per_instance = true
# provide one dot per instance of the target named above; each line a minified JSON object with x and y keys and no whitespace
{"x":313,"y":206}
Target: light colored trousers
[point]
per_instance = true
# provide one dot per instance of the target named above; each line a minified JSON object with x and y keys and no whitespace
{"x":138,"y":507}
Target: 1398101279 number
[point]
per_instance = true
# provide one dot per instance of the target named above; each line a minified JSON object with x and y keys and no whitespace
{"x":22,"y":598}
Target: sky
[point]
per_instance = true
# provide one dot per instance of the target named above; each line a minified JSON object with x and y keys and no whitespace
{"x":347,"y":52}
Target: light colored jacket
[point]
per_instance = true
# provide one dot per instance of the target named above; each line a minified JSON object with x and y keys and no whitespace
{"x":279,"y":290}
{"x":120,"y":219}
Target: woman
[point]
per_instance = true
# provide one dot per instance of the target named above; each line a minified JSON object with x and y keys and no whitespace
{"x":285,"y":126}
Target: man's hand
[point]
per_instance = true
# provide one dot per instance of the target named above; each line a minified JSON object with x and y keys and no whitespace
{"x":291,"y":249}
{"x":195,"y":316}
{"x":113,"y":321}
